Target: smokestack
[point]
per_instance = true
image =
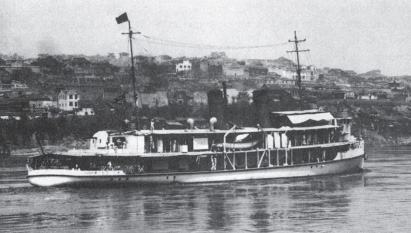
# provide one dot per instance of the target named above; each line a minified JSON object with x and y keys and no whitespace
{"x":262,"y":107}
{"x":216,"y":106}
{"x":225,"y":104}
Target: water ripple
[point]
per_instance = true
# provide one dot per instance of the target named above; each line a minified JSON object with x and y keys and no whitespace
{"x":376,"y":200}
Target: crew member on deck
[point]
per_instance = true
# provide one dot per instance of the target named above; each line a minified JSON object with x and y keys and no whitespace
{"x":152,"y":125}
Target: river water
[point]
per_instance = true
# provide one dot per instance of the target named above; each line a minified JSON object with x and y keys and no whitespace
{"x":376,"y":200}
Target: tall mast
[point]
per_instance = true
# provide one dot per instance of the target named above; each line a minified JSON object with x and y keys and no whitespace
{"x":298,"y":63}
{"x":133,"y":76}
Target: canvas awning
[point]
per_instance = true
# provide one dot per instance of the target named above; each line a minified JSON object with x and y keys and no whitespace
{"x":298,"y":119}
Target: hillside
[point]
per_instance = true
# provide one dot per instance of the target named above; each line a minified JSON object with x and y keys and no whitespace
{"x":372,"y":74}
{"x":282,"y":61}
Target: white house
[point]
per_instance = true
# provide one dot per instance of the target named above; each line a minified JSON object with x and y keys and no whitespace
{"x":68,"y":100}
{"x":309,"y":74}
{"x":184,"y":66}
{"x":85,"y":112}
{"x":367,"y":97}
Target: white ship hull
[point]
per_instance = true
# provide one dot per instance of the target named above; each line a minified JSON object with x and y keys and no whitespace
{"x":58,"y":177}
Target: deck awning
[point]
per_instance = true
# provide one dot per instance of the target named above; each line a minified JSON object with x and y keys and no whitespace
{"x":298,"y":119}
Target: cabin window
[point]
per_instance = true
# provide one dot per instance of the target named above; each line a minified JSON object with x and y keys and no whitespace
{"x":200,"y":144}
{"x":70,"y":96}
{"x":70,"y":103}
{"x":120,"y":142}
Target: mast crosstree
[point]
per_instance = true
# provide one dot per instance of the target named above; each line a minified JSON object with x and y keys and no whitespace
{"x":298,"y":62}
{"x":123,"y":18}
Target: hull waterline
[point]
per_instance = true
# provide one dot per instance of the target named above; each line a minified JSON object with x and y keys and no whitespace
{"x":57,"y":177}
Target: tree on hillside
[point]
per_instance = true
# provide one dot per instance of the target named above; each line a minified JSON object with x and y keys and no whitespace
{"x":22,"y":74}
{"x":54,"y":111}
{"x":51,"y":64}
{"x":23,"y":129}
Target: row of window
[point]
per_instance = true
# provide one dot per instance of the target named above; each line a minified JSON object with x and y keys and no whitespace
{"x":71,"y":104}
{"x":303,"y":77}
{"x":70,"y":97}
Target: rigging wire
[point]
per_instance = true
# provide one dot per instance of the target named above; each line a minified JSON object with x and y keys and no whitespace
{"x":141,"y":45}
{"x":203,"y":46}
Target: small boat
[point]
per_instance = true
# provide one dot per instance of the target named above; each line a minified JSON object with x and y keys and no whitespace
{"x":241,"y":142}
{"x":302,"y":144}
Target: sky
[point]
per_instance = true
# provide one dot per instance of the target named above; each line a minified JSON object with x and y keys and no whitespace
{"x":348,"y":34}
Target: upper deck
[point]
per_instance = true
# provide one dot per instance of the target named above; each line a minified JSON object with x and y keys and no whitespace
{"x":296,"y":130}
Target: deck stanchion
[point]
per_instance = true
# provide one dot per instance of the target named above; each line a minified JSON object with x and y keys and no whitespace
{"x":245,"y":155}
{"x":258,"y":158}
{"x":225,"y":161}
{"x":329,"y":136}
{"x":234,"y":158}
{"x":278,"y":158}
{"x":309,"y":156}
{"x":286,"y":158}
{"x":269,"y":158}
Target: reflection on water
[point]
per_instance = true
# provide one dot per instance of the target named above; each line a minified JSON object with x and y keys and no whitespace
{"x":375,"y":200}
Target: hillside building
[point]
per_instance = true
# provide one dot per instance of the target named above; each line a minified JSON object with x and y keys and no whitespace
{"x":183,"y":66}
{"x":211,"y":69}
{"x":233,"y":70}
{"x":68,"y":100}
{"x":41,"y":104}
{"x":309,"y":74}
{"x":85,"y":108}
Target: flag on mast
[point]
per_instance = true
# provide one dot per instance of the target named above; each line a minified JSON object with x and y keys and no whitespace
{"x":122,"y":18}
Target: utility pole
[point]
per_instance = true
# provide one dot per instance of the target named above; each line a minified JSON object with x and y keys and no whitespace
{"x":298,"y":63}
{"x":133,"y":76}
